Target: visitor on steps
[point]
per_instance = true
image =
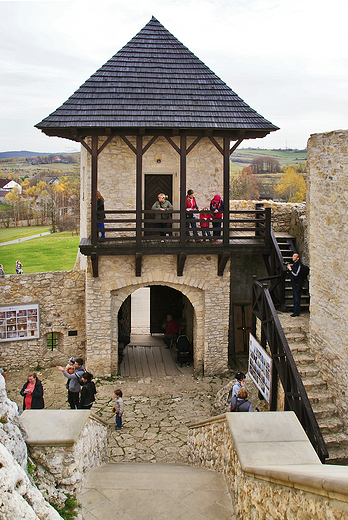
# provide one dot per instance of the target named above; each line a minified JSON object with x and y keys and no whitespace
{"x":88,"y":391}
{"x":243,"y":404}
{"x":296,"y":283}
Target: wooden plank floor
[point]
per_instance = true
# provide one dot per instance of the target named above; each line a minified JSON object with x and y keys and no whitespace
{"x":146,"y":356}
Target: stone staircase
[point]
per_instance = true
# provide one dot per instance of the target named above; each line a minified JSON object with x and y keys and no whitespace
{"x":321,"y":399}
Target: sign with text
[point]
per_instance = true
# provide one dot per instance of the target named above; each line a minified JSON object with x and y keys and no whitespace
{"x":19,"y":322}
{"x":260,"y":367}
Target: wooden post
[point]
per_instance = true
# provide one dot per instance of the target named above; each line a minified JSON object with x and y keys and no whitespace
{"x":139,"y":180}
{"x":94,"y":187}
{"x":183,"y":190}
{"x":226,"y":194}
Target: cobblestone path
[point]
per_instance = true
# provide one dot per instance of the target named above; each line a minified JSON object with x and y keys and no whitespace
{"x":157,"y":410}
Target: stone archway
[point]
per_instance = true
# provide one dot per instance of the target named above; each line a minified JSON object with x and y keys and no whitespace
{"x":194,"y":325}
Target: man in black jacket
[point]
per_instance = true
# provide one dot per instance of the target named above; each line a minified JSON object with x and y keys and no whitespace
{"x":296,"y":283}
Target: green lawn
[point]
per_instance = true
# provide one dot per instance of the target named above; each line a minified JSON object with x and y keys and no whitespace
{"x":7,"y":234}
{"x":56,"y":252}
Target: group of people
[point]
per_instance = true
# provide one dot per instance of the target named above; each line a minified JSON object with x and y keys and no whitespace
{"x":212,"y":214}
{"x":239,"y":399}
{"x":19,"y":268}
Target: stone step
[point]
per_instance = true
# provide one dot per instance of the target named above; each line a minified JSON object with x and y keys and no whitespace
{"x":295,"y":337}
{"x":303,"y":359}
{"x":323,"y":410}
{"x":338,"y":440}
{"x":314,"y":384}
{"x":307,"y":372}
{"x":316,"y":397}
{"x":329,"y":425}
{"x":299,"y":348}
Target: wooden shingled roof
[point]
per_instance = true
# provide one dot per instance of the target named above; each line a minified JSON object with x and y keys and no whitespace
{"x":154,"y":83}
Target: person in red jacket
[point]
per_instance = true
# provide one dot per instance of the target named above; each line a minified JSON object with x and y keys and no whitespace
{"x":217,"y":206}
{"x":172,"y":330}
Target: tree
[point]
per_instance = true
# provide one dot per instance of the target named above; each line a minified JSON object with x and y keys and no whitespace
{"x":265,"y":165}
{"x":292,"y":187}
{"x":244,"y":186}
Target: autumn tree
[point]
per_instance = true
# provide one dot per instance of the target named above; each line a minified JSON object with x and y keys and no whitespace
{"x":244,"y":186}
{"x":265,"y":165}
{"x":292,"y":187}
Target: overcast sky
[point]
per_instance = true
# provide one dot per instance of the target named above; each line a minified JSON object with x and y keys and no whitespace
{"x":287,"y":60}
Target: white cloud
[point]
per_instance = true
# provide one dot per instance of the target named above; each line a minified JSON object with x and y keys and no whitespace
{"x":287,"y":60}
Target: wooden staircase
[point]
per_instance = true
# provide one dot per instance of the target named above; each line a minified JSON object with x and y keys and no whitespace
{"x":322,"y":401}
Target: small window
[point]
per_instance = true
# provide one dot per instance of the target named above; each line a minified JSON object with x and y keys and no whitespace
{"x":52,"y":340}
{"x":72,"y":333}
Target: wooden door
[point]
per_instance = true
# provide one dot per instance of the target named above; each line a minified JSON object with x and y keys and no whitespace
{"x":242,"y":326}
{"x":155,"y":184}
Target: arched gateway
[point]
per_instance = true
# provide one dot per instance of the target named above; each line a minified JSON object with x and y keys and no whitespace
{"x":155,"y":118}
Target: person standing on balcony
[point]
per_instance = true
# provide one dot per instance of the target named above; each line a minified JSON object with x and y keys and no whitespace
{"x":163,"y":205}
{"x":217,"y":206}
{"x":296,"y":283}
{"x":100,"y":213}
{"x":191,"y":206}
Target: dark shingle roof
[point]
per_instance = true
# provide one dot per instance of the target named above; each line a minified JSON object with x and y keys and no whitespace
{"x":155,"y":82}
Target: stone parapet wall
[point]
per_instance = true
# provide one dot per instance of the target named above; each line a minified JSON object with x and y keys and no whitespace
{"x":328,"y":242}
{"x":61,"y":299}
{"x":61,"y":469}
{"x":210,"y":445}
{"x":287,"y":217}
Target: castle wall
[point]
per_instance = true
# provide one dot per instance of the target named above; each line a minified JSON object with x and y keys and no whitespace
{"x":61,"y":299}
{"x":328,"y":242}
{"x":208,"y":293}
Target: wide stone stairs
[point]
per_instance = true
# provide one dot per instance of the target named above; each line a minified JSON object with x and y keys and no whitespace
{"x":321,"y":399}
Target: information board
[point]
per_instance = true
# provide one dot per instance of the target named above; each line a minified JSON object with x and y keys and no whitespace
{"x":260,"y":367}
{"x":19,"y":322}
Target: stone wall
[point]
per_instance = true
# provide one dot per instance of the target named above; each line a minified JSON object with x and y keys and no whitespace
{"x":210,"y":445}
{"x":19,"y":497}
{"x":327,"y":194}
{"x":207,"y":292}
{"x":61,"y":469}
{"x":61,"y":299}
{"x":287,"y":217}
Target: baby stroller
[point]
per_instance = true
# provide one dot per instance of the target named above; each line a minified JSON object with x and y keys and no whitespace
{"x":183,"y":350}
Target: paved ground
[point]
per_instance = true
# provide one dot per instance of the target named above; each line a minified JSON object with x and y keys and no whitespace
{"x":155,"y":492}
{"x":24,"y":239}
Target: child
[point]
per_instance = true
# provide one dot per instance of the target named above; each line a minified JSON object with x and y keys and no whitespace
{"x":205,"y":225}
{"x":19,"y":267}
{"x":118,"y":408}
{"x":70,"y":367}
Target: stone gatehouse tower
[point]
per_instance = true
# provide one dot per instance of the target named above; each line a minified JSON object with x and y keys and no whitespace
{"x":155,"y":119}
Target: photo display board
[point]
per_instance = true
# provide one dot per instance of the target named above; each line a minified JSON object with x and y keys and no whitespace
{"x":19,"y":322}
{"x":260,"y":367}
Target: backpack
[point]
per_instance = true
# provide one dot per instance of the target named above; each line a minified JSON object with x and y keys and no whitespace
{"x":304,"y":272}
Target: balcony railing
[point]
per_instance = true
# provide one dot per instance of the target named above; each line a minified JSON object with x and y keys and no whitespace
{"x":122,"y":228}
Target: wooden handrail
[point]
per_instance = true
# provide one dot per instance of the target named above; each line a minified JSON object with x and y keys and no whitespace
{"x":284,"y":366}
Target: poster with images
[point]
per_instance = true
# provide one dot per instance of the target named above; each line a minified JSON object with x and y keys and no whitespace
{"x":19,"y":322}
{"x":260,"y":367}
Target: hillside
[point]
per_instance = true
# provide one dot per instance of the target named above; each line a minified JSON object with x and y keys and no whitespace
{"x":244,"y":156}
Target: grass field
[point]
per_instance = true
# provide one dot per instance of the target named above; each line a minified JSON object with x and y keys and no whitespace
{"x":7,"y":234}
{"x":56,"y":252}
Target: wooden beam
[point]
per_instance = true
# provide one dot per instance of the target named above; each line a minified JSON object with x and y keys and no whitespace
{"x":147,"y":146}
{"x":105,"y":143}
{"x":128,"y":143}
{"x":171,"y":142}
{"x":94,"y":188}
{"x":181,"y":259}
{"x":216,"y":144}
{"x":138,"y":194}
{"x":192,"y":145}
{"x":138,"y":263}
{"x":226,"y":195}
{"x":182,"y":190}
{"x":235,"y":146}
{"x":222,"y":261}
{"x":94,"y":259}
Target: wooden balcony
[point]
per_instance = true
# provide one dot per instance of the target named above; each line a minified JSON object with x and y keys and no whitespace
{"x":247,"y":232}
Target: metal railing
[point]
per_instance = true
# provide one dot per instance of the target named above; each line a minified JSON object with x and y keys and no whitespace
{"x":284,"y":367}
